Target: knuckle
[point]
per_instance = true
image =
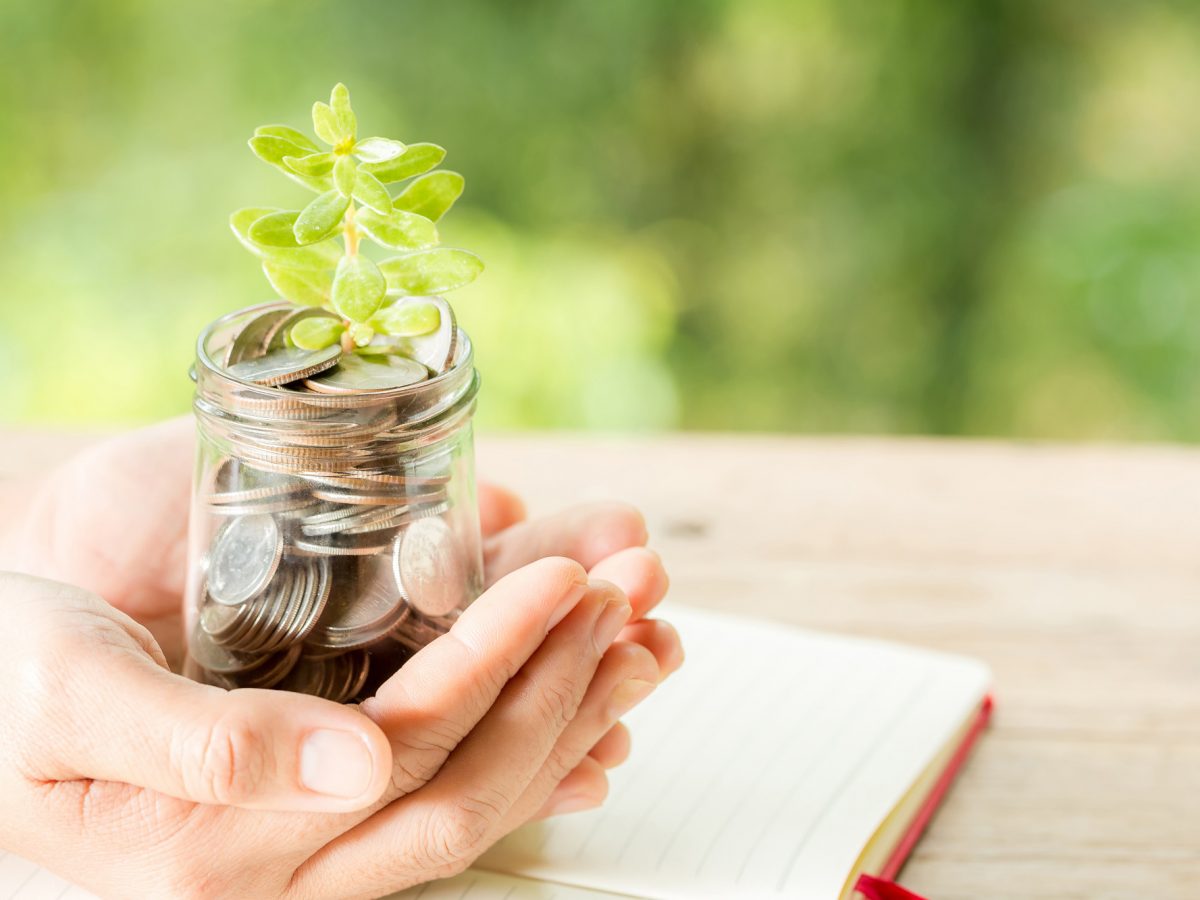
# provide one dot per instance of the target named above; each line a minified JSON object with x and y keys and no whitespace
{"x":556,"y":703}
{"x":458,"y":833}
{"x":225,"y":763}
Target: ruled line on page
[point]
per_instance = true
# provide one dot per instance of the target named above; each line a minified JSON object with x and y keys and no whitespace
{"x":876,"y":746}
{"x":765,"y":700}
{"x":714,"y":685}
{"x":848,"y":718}
{"x":800,"y":726}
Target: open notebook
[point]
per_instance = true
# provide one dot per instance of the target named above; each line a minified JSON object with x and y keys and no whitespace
{"x":776,"y":763}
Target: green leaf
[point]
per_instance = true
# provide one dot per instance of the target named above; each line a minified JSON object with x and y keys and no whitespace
{"x":407,"y":319}
{"x":398,"y":229}
{"x":322,"y":255}
{"x":370,"y":191}
{"x":431,"y":195}
{"x":241,"y":221}
{"x":377,"y":149}
{"x":321,"y":218}
{"x":275,"y":229}
{"x":309,"y":287}
{"x":325,"y":123}
{"x":344,"y":175}
{"x":431,"y":271}
{"x":415,"y":159}
{"x":339,"y":102}
{"x":313,"y":164}
{"x":358,"y":288}
{"x":299,"y":138}
{"x":273,"y":149}
{"x":317,"y":333}
{"x":361,"y":333}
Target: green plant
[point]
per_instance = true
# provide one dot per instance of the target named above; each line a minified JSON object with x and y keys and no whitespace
{"x":306,"y":263}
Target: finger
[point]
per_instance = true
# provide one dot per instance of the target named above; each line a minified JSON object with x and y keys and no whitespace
{"x":499,"y":508}
{"x":102,"y":706}
{"x":586,"y":534}
{"x":639,"y":572}
{"x":626,"y":676}
{"x":444,"y":826}
{"x":441,"y":693}
{"x":661,"y":639}
{"x":612,"y":749}
{"x":585,"y":788}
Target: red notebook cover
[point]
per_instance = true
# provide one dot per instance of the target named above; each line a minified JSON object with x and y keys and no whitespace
{"x":881,"y":886}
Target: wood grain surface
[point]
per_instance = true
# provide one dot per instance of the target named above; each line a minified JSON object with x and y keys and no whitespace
{"x":1072,"y":571}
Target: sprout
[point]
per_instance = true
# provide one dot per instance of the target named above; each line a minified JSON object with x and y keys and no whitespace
{"x":300,"y":251}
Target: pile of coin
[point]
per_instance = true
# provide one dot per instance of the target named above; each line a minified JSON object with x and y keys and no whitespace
{"x":333,"y":548}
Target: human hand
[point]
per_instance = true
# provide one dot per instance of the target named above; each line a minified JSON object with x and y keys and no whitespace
{"x":485,"y":728}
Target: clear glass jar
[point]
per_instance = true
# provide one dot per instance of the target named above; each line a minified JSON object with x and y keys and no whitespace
{"x":331,"y":535}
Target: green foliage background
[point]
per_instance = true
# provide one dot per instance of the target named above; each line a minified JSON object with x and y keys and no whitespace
{"x":793,"y":215}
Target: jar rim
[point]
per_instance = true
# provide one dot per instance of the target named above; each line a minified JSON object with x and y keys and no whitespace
{"x":464,"y":359}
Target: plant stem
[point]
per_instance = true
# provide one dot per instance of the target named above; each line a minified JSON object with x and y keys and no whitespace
{"x":350,"y":232}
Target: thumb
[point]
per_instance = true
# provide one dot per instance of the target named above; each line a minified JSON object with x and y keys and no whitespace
{"x":107,"y":710}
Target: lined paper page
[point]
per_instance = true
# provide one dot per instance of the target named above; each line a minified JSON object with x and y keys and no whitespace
{"x":763,"y":769}
{"x":475,"y":885}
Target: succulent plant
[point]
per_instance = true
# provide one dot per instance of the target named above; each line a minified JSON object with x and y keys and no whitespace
{"x":315,"y":256}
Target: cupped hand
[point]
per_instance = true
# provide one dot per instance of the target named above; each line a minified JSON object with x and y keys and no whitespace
{"x":147,"y":783}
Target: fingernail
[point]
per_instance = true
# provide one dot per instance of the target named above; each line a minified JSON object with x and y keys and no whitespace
{"x":627,"y":695}
{"x":568,"y":603}
{"x":570,"y":803}
{"x":336,"y":764}
{"x":612,"y":619}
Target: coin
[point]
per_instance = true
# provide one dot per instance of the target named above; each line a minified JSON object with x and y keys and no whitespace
{"x":363,"y":607}
{"x":271,"y":671}
{"x":278,"y":337}
{"x":269,"y":505}
{"x":355,"y":373}
{"x":286,"y":365}
{"x":429,"y":567}
{"x":340,"y":547}
{"x":215,"y":658}
{"x":251,"y":341}
{"x":250,"y":495}
{"x":436,"y":349}
{"x":245,"y":556}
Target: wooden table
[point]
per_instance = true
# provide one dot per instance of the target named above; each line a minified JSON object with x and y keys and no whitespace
{"x":1072,"y":571}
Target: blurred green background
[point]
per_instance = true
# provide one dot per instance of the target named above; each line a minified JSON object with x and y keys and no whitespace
{"x":781,"y":215}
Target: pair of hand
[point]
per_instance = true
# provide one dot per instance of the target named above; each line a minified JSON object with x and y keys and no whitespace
{"x":134,"y":781}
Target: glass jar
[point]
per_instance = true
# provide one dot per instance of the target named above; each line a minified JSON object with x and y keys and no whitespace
{"x":332,"y":535}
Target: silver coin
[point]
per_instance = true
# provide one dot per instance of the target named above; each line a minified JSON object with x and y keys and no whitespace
{"x":245,"y":556}
{"x":269,"y":505}
{"x":250,"y":495}
{"x":356,"y":522}
{"x":251,"y":342}
{"x":286,"y":365}
{"x":270,"y":672}
{"x":436,"y":349}
{"x":334,"y":546}
{"x":212,"y":656}
{"x":363,"y":607}
{"x":429,"y":567}
{"x":277,"y":337}
{"x":317,"y":600}
{"x":355,"y":373}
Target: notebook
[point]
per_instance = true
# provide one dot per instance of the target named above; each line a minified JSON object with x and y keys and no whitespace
{"x":777,"y":763}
